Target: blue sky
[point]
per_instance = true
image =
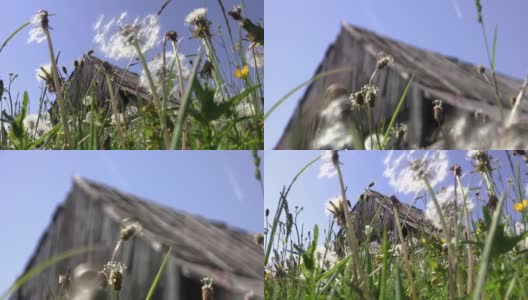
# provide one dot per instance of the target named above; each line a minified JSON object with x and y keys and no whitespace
{"x":73,"y":32}
{"x":218,"y":185}
{"x":298,"y":33}
{"x":359,"y":169}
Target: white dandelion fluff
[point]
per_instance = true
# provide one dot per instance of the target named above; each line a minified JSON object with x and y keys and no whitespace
{"x":43,"y":73}
{"x":407,"y":171}
{"x":196,"y":15}
{"x":449,"y":207}
{"x":327,"y":169}
{"x":116,"y":38}
{"x":156,"y":69}
{"x":36,"y":34}
{"x":255,"y":57}
{"x":325,"y":258}
{"x":36,"y":126}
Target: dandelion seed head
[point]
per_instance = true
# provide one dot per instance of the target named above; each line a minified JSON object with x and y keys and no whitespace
{"x":407,"y":171}
{"x":331,"y":204}
{"x":156,"y":68}
{"x":116,"y":38}
{"x":450,"y":208}
{"x":43,"y":72}
{"x":196,"y":15}
{"x":372,"y":142}
{"x":325,"y":258}
{"x":327,"y":169}
{"x":39,"y":21}
{"x":255,"y":57}
{"x":35,"y":125}
{"x":335,"y":136}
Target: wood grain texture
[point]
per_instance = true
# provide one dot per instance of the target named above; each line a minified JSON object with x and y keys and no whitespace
{"x":92,"y":214}
{"x":463,"y":90}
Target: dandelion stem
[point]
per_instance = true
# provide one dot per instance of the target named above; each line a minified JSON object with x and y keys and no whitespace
{"x":351,"y":234}
{"x":157,"y":103}
{"x":115,"y":111}
{"x":447,"y":236}
{"x":483,"y":271}
{"x":182,"y":91}
{"x":403,"y":244}
{"x":58,"y":91}
{"x":468,"y":239}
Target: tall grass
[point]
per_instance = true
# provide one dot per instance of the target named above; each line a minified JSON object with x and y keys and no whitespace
{"x":216,"y":110}
{"x":435,"y":263}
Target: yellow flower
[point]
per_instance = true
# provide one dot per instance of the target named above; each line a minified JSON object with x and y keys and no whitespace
{"x":520,"y":206}
{"x":242,"y":73}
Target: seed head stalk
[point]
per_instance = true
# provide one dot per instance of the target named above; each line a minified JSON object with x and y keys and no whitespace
{"x":212,"y":57}
{"x":351,"y":234}
{"x":157,"y":103}
{"x":58,"y":91}
{"x":405,"y":251}
{"x":182,"y":89}
{"x":468,"y":238}
{"x":115,"y":111}
{"x":447,"y":236}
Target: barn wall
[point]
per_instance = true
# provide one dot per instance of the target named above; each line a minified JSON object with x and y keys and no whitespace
{"x":81,"y":223}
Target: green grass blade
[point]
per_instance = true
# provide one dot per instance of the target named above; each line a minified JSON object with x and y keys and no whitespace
{"x":43,"y":266}
{"x":483,"y":271}
{"x":494,"y":49}
{"x":184,"y":104}
{"x":279,"y":210}
{"x":158,"y":276}
{"x":297,"y":88}
{"x":396,"y":112}
{"x":13,"y":35}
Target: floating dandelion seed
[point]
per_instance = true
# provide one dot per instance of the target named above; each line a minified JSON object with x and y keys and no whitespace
{"x":117,"y":37}
{"x":39,"y":21}
{"x":407,"y":171}
{"x":156,"y":69}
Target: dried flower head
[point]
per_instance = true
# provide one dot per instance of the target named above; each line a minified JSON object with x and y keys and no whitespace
{"x":482,"y":160}
{"x":438,"y":111}
{"x":207,"y":288}
{"x":369,"y":91}
{"x":129,"y":228}
{"x":259,"y":239}
{"x":114,"y":272}
{"x":357,"y":99}
{"x":481,"y":69}
{"x":172,"y":36}
{"x":383,"y":60}
{"x":117,"y":37}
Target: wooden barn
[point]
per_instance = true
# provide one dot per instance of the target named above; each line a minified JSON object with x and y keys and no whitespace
{"x":413,"y":219}
{"x":465,"y":93}
{"x":92,"y":216}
